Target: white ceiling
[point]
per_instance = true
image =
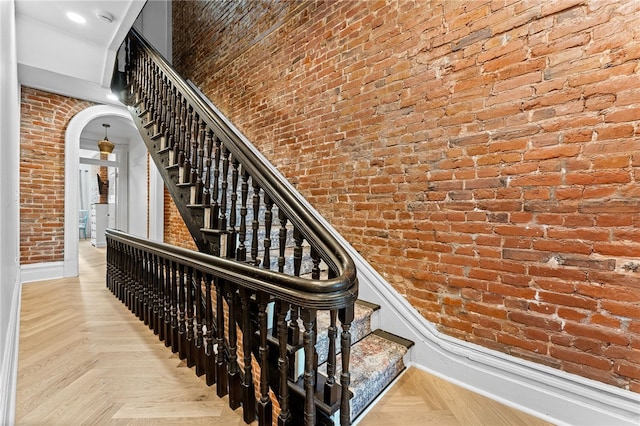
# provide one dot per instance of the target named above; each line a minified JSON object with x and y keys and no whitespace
{"x":76,"y":60}
{"x":120,"y":132}
{"x":64,"y":57}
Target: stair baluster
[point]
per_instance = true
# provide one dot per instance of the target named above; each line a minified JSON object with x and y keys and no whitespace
{"x":231,"y":228}
{"x":255,"y":224}
{"x":182,"y":314}
{"x":294,"y":328}
{"x":222,"y":383}
{"x":156,"y":109}
{"x":242,"y":234}
{"x":309,"y":322}
{"x":199,"y":325}
{"x":129,"y":284}
{"x":235,"y":385}
{"x":265,"y":409}
{"x":206,"y":186}
{"x":156,"y":316}
{"x":171,"y":138}
{"x":346,"y":317}
{"x":175,"y":297}
{"x":330,"y":386}
{"x":189,"y":289}
{"x":193,"y":154}
{"x":182,"y":135}
{"x":224,"y":186}
{"x":282,"y":240}
{"x":185,"y":171}
{"x":248,"y":390}
{"x":210,"y":365}
{"x":268,"y":218}
{"x":197,"y":177}
{"x":145,"y":283}
{"x":166,"y":284}
{"x":137,"y":283}
{"x":283,"y":364}
{"x":215,"y":210}
{"x":165,"y":115}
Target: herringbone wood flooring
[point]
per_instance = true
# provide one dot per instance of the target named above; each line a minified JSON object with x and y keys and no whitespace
{"x":86,"y":360}
{"x":418,"y":398}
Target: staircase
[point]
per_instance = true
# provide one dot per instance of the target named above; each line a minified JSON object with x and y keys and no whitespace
{"x":267,"y":309}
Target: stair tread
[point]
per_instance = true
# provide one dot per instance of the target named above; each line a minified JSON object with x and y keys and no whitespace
{"x":394,"y":338}
{"x":212,"y":231}
{"x":360,"y":327}
{"x":373,"y":306}
{"x":374,"y":362}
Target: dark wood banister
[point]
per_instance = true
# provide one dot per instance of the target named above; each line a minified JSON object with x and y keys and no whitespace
{"x":331,"y":251}
{"x":171,"y":303}
{"x":306,"y":293}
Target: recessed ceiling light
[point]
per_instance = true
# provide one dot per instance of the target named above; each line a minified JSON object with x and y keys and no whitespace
{"x":76,"y":17}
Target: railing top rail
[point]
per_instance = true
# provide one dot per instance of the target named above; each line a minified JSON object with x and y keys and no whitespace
{"x":330,"y":250}
{"x":333,"y":293}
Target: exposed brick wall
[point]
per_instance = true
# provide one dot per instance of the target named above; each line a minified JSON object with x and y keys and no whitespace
{"x":483,"y":156}
{"x":175,"y":231}
{"x":43,"y":122}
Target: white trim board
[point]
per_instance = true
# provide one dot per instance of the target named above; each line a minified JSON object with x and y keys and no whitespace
{"x":9,"y":367}
{"x":41,"y":271}
{"x":545,"y":392}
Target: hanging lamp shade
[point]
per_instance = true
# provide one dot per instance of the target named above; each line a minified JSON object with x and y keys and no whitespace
{"x":105,"y":145}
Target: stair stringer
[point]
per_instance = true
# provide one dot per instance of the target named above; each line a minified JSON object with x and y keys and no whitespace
{"x":545,"y":392}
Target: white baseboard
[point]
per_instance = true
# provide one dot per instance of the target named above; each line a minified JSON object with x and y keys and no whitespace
{"x":41,"y":271}
{"x":9,"y":366}
{"x":539,"y":390}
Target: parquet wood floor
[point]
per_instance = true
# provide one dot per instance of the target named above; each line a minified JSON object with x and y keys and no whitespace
{"x":419,"y":398}
{"x":84,"y":359}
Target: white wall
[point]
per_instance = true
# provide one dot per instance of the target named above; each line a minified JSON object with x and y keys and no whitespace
{"x":155,"y":24}
{"x":9,"y":211}
{"x":137,"y":179}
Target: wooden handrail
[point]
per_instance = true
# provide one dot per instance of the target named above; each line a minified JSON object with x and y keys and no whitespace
{"x":303,"y":292}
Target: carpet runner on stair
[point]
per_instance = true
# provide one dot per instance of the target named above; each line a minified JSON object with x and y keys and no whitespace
{"x":360,"y":328}
{"x":377,"y":357}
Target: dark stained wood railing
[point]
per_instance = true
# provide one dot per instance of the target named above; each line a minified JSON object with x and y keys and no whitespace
{"x":262,"y":254}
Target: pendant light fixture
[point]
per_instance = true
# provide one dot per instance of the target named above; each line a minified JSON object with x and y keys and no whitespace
{"x":105,"y":145}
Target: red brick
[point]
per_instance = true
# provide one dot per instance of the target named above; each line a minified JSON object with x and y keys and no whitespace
{"x":579,"y":357}
{"x":599,"y":333}
{"x":627,"y":369}
{"x":43,"y":122}
{"x":540,"y":321}
{"x":536,"y":148}
{"x":617,"y":249}
{"x":627,"y":310}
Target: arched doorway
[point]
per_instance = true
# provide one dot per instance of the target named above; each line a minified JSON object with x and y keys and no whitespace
{"x":72,"y":163}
